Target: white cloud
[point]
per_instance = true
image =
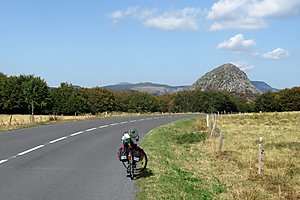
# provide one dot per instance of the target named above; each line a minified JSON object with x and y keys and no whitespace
{"x":226,"y":9}
{"x":116,"y":15}
{"x":182,"y":19}
{"x":185,"y":19}
{"x":276,"y":54}
{"x":243,"y":65}
{"x":119,"y":14}
{"x":237,"y":44}
{"x":249,"y":14}
{"x":224,"y":14}
{"x":274,"y":8}
{"x":146,"y":13}
{"x":248,"y":24}
{"x":131,"y":10}
{"x":172,"y":23}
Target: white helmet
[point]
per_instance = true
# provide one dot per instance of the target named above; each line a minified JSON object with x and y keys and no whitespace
{"x":126,"y":136}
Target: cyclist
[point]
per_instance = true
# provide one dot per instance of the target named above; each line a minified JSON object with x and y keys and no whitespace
{"x":130,"y":139}
{"x":131,"y":136}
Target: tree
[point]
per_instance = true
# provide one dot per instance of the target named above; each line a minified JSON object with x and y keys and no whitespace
{"x":35,"y":91}
{"x":204,"y":101}
{"x":100,"y":100}
{"x":69,"y":100}
{"x":267,"y":102}
{"x":184,"y":100}
{"x":165,"y":102}
{"x":4,"y":100}
{"x":142,"y":102}
{"x":289,"y":99}
{"x":122,"y":100}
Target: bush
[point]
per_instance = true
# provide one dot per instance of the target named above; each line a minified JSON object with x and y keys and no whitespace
{"x":192,"y":137}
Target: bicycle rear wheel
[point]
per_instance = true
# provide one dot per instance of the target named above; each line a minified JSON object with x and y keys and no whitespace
{"x":141,"y":165}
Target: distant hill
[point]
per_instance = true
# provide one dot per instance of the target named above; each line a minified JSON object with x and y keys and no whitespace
{"x":227,"y":77}
{"x":264,"y":87}
{"x":156,"y":89}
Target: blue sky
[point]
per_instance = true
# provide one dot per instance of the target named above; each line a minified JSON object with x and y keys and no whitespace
{"x":95,"y":43}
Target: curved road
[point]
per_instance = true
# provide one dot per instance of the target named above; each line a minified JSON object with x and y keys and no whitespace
{"x":72,"y":161}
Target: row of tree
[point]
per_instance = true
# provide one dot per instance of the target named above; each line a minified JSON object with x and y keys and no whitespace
{"x":29,"y":94}
{"x":284,"y":100}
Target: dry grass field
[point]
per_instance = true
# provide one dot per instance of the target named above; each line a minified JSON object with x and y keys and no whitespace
{"x":11,"y":122}
{"x":237,"y":165}
{"x":185,"y":162}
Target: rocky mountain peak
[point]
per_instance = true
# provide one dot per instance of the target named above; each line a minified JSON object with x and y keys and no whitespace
{"x":227,"y":77}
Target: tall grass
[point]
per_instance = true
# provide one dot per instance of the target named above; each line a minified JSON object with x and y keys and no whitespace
{"x":11,"y":122}
{"x":281,"y":159}
{"x":182,"y":157}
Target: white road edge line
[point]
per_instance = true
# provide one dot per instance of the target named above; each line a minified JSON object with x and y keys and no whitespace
{"x":76,"y":133}
{"x":30,"y":150}
{"x":91,"y":129}
{"x":59,"y":139}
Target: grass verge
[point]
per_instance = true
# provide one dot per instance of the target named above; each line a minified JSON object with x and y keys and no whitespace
{"x":185,"y":164}
{"x":167,"y":148}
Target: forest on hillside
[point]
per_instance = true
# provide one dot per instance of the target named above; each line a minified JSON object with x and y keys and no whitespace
{"x":28,"y":94}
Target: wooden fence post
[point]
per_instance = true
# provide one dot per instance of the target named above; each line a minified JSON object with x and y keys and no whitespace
{"x":214,"y":121}
{"x":215,"y":115}
{"x":10,"y":119}
{"x":260,"y":152}
{"x":220,"y":142}
{"x":207,"y":120}
{"x":211,"y":123}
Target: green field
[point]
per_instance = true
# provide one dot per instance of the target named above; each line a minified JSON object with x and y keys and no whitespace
{"x":185,"y":164}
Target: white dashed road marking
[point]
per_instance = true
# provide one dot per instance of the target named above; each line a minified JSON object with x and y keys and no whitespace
{"x":30,"y":150}
{"x":91,"y":129}
{"x":114,"y":124}
{"x":76,"y":133}
{"x":124,"y":122}
{"x":2,"y":161}
{"x":103,"y":126}
{"x":59,"y":139}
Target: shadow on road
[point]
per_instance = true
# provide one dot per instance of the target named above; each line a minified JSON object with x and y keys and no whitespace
{"x":144,"y":174}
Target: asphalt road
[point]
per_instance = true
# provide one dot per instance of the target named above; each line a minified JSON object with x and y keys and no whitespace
{"x":71,"y":161}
